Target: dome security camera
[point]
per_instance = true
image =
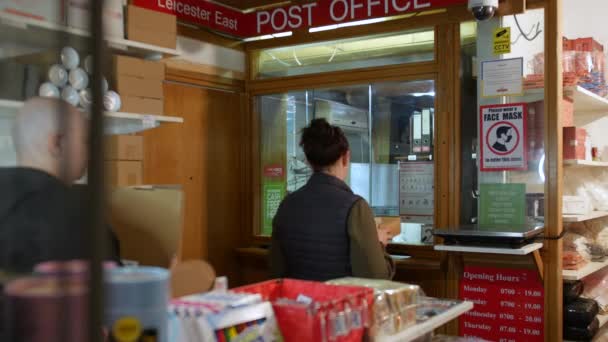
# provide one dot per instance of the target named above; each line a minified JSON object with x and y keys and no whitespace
{"x":483,"y":9}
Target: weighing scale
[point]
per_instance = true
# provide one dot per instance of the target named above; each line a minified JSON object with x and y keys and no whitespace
{"x":507,"y":236}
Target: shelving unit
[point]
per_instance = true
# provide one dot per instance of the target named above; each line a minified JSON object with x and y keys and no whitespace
{"x":429,"y":326}
{"x":581,"y":218}
{"x":585,"y":163}
{"x":586,"y":101}
{"x":28,"y":32}
{"x":488,"y":250}
{"x":115,"y":123}
{"x":589,"y":269}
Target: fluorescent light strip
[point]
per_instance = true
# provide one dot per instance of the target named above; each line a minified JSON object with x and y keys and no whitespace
{"x":269,"y":36}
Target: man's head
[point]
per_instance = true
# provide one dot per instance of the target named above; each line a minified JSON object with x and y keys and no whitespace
{"x":51,"y":135}
{"x":503,"y":134}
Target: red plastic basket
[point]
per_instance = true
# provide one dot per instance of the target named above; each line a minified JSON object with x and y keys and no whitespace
{"x":336,"y":313}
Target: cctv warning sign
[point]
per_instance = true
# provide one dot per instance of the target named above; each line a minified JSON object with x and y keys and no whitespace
{"x":503,"y":137}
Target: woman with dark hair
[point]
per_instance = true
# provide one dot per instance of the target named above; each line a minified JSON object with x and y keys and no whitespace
{"x":324,"y":231}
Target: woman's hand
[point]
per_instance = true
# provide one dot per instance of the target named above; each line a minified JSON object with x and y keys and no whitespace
{"x":384,"y":235}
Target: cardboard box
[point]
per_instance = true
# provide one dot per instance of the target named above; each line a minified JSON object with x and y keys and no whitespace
{"x":124,"y":173}
{"x":139,"y":87}
{"x":78,"y":16}
{"x":142,"y":105}
{"x":574,"y":143}
{"x":567,"y":112}
{"x":48,"y":10}
{"x":138,"y":67}
{"x":151,"y":27}
{"x":124,"y":147}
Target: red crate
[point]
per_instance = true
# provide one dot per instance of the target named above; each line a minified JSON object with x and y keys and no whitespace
{"x":301,"y":322}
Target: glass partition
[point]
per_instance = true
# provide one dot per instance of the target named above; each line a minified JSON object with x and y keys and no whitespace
{"x":387,"y":125}
{"x":346,"y":54}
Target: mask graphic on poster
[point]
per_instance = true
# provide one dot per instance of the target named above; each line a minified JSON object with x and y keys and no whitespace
{"x":504,"y":136}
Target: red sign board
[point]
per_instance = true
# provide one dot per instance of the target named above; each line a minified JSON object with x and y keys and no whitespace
{"x":509,"y":304}
{"x":288,"y":18}
{"x":274,"y":171}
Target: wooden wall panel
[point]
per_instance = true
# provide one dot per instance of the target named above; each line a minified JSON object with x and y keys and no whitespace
{"x":204,"y":156}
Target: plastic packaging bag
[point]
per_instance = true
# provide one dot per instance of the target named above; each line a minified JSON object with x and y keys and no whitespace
{"x":573,"y":290}
{"x":580,"y":313}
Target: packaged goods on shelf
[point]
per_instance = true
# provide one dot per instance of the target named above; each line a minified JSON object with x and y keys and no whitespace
{"x":222,"y":316}
{"x":140,"y":84}
{"x":574,"y":143}
{"x":573,"y":290}
{"x":575,"y":333}
{"x":78,"y":16}
{"x":576,"y":205}
{"x":311,"y":311}
{"x":151,"y":27}
{"x":573,"y":260}
{"x":580,"y":313}
{"x":121,"y":173}
{"x":124,"y":147}
{"x":577,"y":243}
{"x":394,"y":303}
{"x":596,"y":288}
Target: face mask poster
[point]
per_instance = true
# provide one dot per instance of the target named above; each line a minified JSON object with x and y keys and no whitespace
{"x":503,"y":137}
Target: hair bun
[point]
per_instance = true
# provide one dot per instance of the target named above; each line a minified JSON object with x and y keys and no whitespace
{"x":323,"y":143}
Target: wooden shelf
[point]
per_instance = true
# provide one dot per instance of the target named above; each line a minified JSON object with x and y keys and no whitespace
{"x":581,"y":218}
{"x":429,"y":326}
{"x":489,"y":250}
{"x":589,"y":269}
{"x":38,"y":35}
{"x":585,"y":163}
{"x":115,"y":122}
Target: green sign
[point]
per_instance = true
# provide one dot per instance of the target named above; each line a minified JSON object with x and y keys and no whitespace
{"x":501,"y":204}
{"x":272,"y":195}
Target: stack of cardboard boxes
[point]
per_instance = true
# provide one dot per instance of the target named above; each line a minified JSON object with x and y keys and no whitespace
{"x":140,"y":84}
{"x":151,"y":27}
{"x":124,"y":160}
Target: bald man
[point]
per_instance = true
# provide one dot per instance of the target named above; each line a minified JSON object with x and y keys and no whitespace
{"x":41,"y":212}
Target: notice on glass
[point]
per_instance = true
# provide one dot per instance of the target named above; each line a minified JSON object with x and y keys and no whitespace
{"x":273,"y":194}
{"x":504,"y":137}
{"x":502,"y":77}
{"x":502,"y":204}
{"x":509,"y":304}
{"x":416,"y":189}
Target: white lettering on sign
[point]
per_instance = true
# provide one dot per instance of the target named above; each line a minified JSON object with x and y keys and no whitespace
{"x":401,"y":8}
{"x":280,"y":18}
{"x":418,"y":4}
{"x":195,"y":12}
{"x":370,"y":6}
{"x":332,"y":10}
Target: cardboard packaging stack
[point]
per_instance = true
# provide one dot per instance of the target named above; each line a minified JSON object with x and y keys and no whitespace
{"x":575,"y":143}
{"x":140,"y":84}
{"x":151,"y":27}
{"x":124,"y":160}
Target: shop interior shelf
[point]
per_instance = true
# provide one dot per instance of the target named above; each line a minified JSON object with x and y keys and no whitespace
{"x":589,"y":269}
{"x":25,"y":36}
{"x":581,"y":218}
{"x":115,"y":122}
{"x":429,"y":326}
{"x":585,"y":101}
{"x":585,"y":163}
{"x":489,"y":250}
